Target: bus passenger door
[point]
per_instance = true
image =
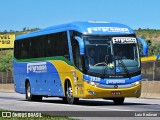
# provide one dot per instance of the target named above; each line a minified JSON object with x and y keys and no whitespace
{"x":78,"y":90}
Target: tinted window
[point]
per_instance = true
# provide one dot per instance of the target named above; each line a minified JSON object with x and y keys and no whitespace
{"x":75,"y":50}
{"x":42,"y":46}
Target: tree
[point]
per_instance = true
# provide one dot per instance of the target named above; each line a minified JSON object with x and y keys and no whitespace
{"x":24,"y":29}
{"x":6,"y":57}
{"x":139,"y":29}
{"x":5,"y":31}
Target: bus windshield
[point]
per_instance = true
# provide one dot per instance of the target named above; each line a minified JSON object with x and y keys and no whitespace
{"x":103,"y":55}
{"x":98,"y":54}
{"x":126,"y":49}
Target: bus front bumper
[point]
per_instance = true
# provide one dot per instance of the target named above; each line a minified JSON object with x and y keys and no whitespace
{"x":91,"y":91}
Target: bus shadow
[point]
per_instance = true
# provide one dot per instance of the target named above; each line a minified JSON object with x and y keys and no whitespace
{"x":95,"y":103}
{"x":107,"y":103}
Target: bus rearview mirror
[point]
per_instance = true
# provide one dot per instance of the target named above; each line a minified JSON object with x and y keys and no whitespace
{"x":81,"y":44}
{"x":144,"y":45}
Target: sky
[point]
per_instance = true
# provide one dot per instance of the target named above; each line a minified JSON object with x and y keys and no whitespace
{"x":17,"y":14}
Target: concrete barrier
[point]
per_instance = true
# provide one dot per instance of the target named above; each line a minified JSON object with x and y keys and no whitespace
{"x":150,"y":89}
{"x":6,"y":87}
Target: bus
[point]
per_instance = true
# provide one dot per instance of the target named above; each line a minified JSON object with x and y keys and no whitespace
{"x":78,"y":60}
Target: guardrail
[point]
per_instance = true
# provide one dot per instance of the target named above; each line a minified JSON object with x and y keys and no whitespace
{"x":6,"y":78}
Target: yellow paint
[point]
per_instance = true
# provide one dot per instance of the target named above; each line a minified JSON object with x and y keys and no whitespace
{"x":106,"y":93}
{"x":7,"y":40}
{"x":80,"y":88}
{"x":150,"y":58}
{"x":64,"y":71}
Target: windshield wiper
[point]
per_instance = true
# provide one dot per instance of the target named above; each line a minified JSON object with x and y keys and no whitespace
{"x":124,"y":67}
{"x":104,"y":71}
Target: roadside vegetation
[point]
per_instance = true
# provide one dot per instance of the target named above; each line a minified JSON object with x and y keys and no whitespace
{"x":152,"y":36}
{"x":6,"y":60}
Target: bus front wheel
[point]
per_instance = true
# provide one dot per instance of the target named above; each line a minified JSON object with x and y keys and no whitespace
{"x":118,"y":101}
{"x":29,"y":95}
{"x":69,"y":94}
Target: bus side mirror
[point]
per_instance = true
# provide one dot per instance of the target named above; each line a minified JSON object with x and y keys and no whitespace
{"x":158,"y":56}
{"x":81,"y":44}
{"x":145,"y":46}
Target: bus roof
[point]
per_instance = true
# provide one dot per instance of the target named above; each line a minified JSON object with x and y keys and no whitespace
{"x":93,"y":28}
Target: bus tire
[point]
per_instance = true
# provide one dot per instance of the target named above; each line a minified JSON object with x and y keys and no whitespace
{"x":29,"y":95}
{"x":70,"y":99}
{"x":118,"y":101}
{"x":64,"y":100}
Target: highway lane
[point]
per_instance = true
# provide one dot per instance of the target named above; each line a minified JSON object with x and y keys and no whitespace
{"x":17,"y":102}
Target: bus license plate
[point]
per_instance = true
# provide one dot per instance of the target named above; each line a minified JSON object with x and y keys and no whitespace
{"x":116,"y":93}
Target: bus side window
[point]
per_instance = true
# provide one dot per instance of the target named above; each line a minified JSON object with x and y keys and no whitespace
{"x":30,"y":50}
{"x":65,"y":52}
{"x":23,"y":52}
{"x":48,"y":50}
{"x":76,"y":54}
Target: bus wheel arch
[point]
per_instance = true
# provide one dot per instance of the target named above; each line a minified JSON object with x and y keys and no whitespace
{"x":29,"y":95}
{"x":69,"y":98}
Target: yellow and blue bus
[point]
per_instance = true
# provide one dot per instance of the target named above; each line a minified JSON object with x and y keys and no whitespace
{"x":78,"y":60}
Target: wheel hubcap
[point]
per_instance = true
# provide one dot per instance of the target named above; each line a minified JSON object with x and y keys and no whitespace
{"x":70,"y":97}
{"x":28,"y":92}
{"x":69,"y":92}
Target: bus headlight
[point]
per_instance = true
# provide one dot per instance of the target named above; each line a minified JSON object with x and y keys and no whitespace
{"x":136,"y":83}
{"x":92,"y":83}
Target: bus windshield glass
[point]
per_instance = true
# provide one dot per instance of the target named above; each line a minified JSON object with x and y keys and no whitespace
{"x":126,"y":49}
{"x":103,"y":54}
{"x":98,"y":54}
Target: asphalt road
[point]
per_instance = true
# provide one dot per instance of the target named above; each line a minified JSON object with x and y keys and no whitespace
{"x":91,"y":107}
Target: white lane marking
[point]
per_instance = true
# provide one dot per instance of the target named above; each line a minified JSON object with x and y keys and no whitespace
{"x":86,"y":107}
{"x":67,"y":105}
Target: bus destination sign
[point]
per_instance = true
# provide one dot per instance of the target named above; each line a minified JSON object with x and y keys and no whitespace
{"x":123,"y":40}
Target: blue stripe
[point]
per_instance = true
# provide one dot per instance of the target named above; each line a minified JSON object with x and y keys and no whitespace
{"x":112,"y":81}
{"x":44,"y":81}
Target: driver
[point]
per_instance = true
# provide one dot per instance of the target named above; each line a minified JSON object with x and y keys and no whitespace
{"x":120,"y":55}
{"x":91,"y":55}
